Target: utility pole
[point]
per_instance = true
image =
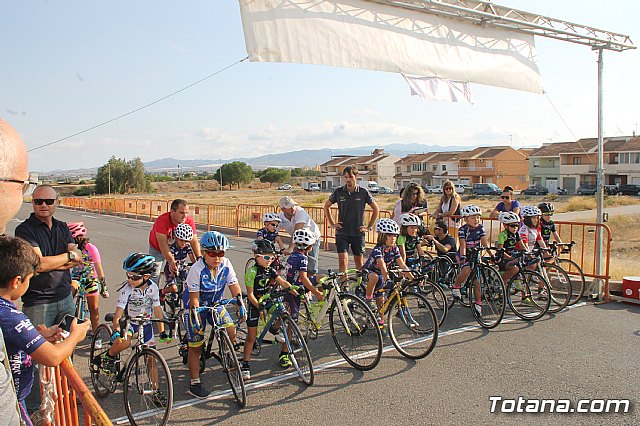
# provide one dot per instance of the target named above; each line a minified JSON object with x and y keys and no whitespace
{"x":220,"y":170}
{"x":109,"y":167}
{"x":179,"y":173}
{"x":598,"y":284}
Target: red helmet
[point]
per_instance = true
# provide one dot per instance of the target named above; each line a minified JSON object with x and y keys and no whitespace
{"x":77,"y":229}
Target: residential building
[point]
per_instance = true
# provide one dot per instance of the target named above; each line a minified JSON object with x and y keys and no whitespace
{"x":379,"y":167}
{"x":432,"y":168}
{"x":501,"y":165}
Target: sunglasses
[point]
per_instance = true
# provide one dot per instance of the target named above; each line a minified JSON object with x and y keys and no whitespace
{"x":505,"y":197}
{"x":547,"y":214}
{"x":273,"y":224}
{"x":135,"y":277}
{"x":214,"y":253}
{"x":512,"y":225}
{"x":266,"y":257}
{"x":448,"y":189}
{"x":27,"y":186}
{"x":47,"y":201}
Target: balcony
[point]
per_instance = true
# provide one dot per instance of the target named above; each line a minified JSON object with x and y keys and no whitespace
{"x":476,"y":171}
{"x":580,"y":169}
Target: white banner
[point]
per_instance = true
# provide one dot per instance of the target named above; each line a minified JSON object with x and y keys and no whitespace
{"x":380,"y":37}
{"x":439,"y":89}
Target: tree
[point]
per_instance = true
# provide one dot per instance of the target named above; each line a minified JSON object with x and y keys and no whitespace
{"x":122,"y":177}
{"x":236,"y":172}
{"x":273,"y":175}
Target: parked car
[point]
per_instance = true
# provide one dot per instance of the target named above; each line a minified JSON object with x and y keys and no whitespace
{"x":586,"y":189}
{"x":311,"y":186}
{"x":384,"y":190}
{"x":486,"y":189}
{"x":285,"y":187}
{"x":612,"y":189}
{"x":461,"y":188}
{"x":434,"y":189}
{"x":535,"y":190}
{"x":630,"y":189}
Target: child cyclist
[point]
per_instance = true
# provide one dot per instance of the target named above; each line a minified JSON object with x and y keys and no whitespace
{"x":89,"y":272}
{"x":138,"y":296}
{"x":529,"y":230}
{"x":270,"y":230}
{"x":206,"y":283}
{"x":384,"y":255}
{"x":181,"y":250}
{"x":470,"y":235}
{"x":409,"y":242}
{"x":259,"y":280}
{"x":511,"y":242}
{"x":547,"y":225}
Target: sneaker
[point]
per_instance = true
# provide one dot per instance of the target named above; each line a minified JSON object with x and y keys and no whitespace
{"x":527,"y":301}
{"x":107,"y":363}
{"x":371,"y":303}
{"x":246,"y":370}
{"x":477,"y":309}
{"x":198,"y":391}
{"x":542,"y":294}
{"x":456,"y":294}
{"x":159,"y":400}
{"x":285,"y":362}
{"x":517,"y":284}
{"x":279,"y":338}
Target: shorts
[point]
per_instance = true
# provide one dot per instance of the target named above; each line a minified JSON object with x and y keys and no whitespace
{"x":379,"y":289}
{"x":503,"y":264}
{"x":294,"y":300}
{"x":356,"y":242}
{"x":196,"y":338}
{"x":147,"y":330}
{"x":253,"y":315}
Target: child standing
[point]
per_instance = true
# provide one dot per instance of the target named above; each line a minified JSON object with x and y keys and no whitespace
{"x":409,"y":242}
{"x":510,"y":241}
{"x":89,"y":272}
{"x":180,"y":249}
{"x":547,"y":225}
{"x":270,"y":230}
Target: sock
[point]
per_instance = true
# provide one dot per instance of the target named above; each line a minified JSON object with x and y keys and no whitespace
{"x":195,"y":381}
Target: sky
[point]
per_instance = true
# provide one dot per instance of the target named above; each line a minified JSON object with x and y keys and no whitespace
{"x":68,"y":65}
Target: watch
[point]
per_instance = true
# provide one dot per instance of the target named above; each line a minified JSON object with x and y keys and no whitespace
{"x":71,"y":256}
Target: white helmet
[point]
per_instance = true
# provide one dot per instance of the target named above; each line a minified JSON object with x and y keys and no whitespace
{"x":271,"y":217}
{"x":470,"y":210}
{"x":508,"y":218}
{"x":183,"y":232}
{"x":530,"y":211}
{"x":387,"y":226}
{"x":303,"y":238}
{"x":409,"y":219}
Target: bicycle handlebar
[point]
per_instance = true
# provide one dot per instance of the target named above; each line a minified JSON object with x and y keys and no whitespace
{"x":278,"y":293}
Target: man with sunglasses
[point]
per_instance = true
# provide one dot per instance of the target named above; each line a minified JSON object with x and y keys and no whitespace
{"x":444,"y":243}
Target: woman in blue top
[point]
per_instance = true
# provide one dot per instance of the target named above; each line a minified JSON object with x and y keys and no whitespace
{"x":508,"y":204}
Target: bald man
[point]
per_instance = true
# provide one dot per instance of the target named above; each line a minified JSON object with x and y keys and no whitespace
{"x":14,"y":172}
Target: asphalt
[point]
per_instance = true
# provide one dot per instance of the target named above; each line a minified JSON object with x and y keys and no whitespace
{"x":590,"y":351}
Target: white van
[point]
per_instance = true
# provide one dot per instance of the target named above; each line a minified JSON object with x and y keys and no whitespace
{"x":371,"y":185}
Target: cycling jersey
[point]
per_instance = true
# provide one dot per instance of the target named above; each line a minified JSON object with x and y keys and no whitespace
{"x":471,"y":236}
{"x":21,"y":339}
{"x":267,"y":235}
{"x":260,"y":279}
{"x":211,"y":288}
{"x":509,"y":240}
{"x":180,"y":255}
{"x":85,"y":273}
{"x":529,"y":236}
{"x":547,"y":229}
{"x":381,"y":251}
{"x":296,"y":263}
{"x":410,"y":244}
{"x":136,"y":301}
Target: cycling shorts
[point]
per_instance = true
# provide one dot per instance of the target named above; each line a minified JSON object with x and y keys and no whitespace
{"x":195,"y":338}
{"x":147,"y":330}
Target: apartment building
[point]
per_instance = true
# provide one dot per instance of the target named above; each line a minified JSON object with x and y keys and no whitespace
{"x":379,"y":167}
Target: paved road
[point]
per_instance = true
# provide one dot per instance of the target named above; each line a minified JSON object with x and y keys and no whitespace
{"x":590,"y":351}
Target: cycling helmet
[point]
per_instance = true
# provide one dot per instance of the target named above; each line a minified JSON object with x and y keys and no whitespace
{"x":470,"y":210}
{"x":183,"y":232}
{"x":509,"y":218}
{"x":139,"y":263}
{"x":409,"y":219}
{"x":271,"y":217}
{"x":387,"y":226}
{"x":303,"y":238}
{"x":214,"y":240}
{"x":546,"y":208}
{"x":263,"y":247}
{"x":528,"y":211}
{"x":77,"y":229}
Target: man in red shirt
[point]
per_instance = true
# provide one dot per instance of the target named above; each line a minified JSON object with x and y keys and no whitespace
{"x":161,"y":235}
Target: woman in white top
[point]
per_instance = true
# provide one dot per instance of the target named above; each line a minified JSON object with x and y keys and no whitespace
{"x":449,"y":205}
{"x":413,"y":200}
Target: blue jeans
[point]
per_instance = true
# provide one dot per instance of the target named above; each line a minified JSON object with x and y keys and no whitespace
{"x":312,"y":265}
{"x":159,"y":261}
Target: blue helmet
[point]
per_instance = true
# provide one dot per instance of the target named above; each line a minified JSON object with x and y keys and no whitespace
{"x":139,"y":263}
{"x":214,"y":240}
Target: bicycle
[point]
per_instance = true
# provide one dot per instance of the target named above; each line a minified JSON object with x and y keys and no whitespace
{"x":354,"y":328}
{"x":411,"y":321}
{"x":146,"y":378}
{"x":521,"y":286}
{"x":278,"y":263}
{"x":491,"y":288}
{"x":559,"y":281}
{"x":172,"y":304}
{"x":225,"y":354}
{"x":578,"y":284}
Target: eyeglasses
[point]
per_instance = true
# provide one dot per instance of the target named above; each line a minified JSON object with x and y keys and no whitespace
{"x":27,"y":186}
{"x":505,"y":197}
{"x":214,"y":253}
{"x":47,"y":201}
{"x":273,"y":224}
{"x":448,"y":189}
{"x":266,"y":257}
{"x":135,"y":277}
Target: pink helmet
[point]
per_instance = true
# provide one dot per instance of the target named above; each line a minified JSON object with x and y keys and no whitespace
{"x":77,"y":229}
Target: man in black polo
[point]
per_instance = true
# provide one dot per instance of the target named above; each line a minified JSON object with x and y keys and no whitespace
{"x":444,"y":243}
{"x":351,"y":199}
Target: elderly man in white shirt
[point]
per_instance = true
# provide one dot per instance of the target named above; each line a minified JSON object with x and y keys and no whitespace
{"x":295,"y":217}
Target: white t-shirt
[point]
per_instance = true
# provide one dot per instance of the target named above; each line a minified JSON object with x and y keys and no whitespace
{"x":139,"y":302}
{"x":299,"y":216}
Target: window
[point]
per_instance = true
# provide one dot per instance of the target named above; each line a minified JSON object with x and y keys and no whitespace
{"x":489,"y":163}
{"x":636,"y":158}
{"x":408,"y":168}
{"x":417,"y":167}
{"x":576,"y":161}
{"x":398,"y":169}
{"x":536,"y":163}
{"x":443,"y":168}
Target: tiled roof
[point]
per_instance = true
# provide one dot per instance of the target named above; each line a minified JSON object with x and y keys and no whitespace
{"x":482,"y":152}
{"x":582,"y":146}
{"x":339,"y":160}
{"x":490,"y":153}
{"x":632,"y":145}
{"x":445,"y":156}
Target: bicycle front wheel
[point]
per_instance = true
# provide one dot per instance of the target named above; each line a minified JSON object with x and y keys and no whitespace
{"x":298,"y":350}
{"x":413,"y":325}
{"x":492,"y":297}
{"x":148,"y":389}
{"x":560,"y":285}
{"x":578,"y":282}
{"x":355,"y":332}
{"x":521,"y":295}
{"x":231,"y":366}
{"x":104,"y":382}
{"x":436,"y":297}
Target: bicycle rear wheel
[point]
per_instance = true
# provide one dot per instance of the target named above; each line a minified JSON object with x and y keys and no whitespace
{"x":436,"y":297}
{"x":148,"y":389}
{"x":298,"y":350}
{"x":355,"y":332}
{"x":103,"y":383}
{"x":578,"y":282}
{"x":560,"y":285}
{"x":492,"y":297}
{"x":520,"y":295}
{"x":413,"y":325}
{"x":231,"y":367}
